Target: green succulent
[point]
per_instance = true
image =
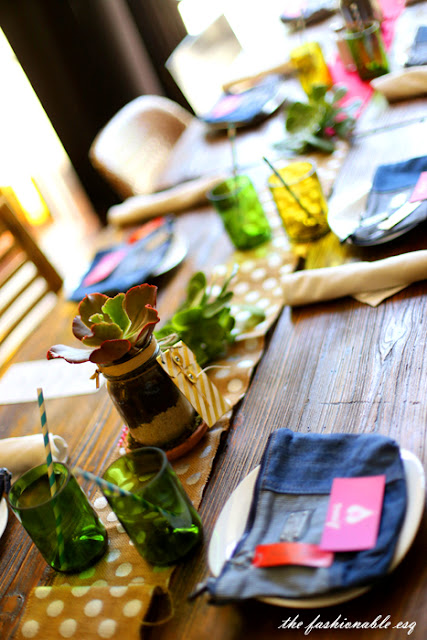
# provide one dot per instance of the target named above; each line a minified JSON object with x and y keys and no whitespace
{"x":204,"y":322}
{"x":111,"y":328}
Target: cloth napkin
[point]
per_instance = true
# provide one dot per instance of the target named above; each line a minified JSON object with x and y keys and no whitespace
{"x":178,"y":198}
{"x":123,"y":266}
{"x":290,"y":504}
{"x":418,"y":53}
{"x":403,"y":84}
{"x":23,"y":453}
{"x":368,"y":282}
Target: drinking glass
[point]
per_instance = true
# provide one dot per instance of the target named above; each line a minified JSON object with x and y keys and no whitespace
{"x":367,"y":50}
{"x":68,"y":514}
{"x":338,"y":34}
{"x":310,"y":65}
{"x":236,"y":201}
{"x":157,"y":515}
{"x":302,"y":207}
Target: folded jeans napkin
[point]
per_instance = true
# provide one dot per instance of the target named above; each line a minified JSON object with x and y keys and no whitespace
{"x":418,"y":53}
{"x":369,"y":282}
{"x":20,"y":454}
{"x":137,"y":262}
{"x":294,"y":482}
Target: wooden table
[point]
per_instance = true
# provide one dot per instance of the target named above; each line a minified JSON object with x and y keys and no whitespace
{"x":339,"y":366}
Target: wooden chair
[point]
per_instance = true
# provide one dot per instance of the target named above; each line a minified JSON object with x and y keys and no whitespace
{"x":28,"y":281}
{"x":131,"y":152}
{"x":201,"y":64}
{"x":133,"y":148}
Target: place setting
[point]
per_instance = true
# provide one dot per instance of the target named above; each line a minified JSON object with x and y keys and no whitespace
{"x":228,"y":550}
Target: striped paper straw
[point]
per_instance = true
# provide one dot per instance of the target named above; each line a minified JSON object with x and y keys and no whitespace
{"x":112,"y":489}
{"x":104,"y":485}
{"x":51,"y":475}
{"x":231,"y":132}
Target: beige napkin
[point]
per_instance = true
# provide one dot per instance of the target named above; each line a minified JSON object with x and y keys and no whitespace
{"x":249,"y":79}
{"x":369,"y":282}
{"x":402,"y":84}
{"x":178,"y":198}
{"x":25,"y":452}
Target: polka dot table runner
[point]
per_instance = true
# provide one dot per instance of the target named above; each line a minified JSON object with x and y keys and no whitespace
{"x":111,"y":599}
{"x":86,"y":613}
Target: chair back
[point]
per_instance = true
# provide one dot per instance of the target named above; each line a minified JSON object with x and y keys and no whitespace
{"x":200,"y":65}
{"x":133,"y":148}
{"x":28,"y":281}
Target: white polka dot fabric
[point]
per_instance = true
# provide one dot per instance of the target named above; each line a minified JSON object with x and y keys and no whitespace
{"x":86,"y":613}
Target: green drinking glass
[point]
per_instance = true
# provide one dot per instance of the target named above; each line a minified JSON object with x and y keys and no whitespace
{"x":67,"y":514}
{"x":367,"y":50}
{"x":158,"y":517}
{"x":236,"y":201}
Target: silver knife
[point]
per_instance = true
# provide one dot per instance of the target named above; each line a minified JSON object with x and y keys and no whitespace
{"x":383,"y":220}
{"x":400,"y":214}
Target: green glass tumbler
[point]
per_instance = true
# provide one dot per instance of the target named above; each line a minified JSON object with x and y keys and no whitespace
{"x":68,"y":514}
{"x":236,"y":201}
{"x":158,"y":517}
{"x":367,"y":50}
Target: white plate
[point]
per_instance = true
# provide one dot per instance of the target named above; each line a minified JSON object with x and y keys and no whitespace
{"x":174,"y":255}
{"x":3,"y":516}
{"x":232,"y":521}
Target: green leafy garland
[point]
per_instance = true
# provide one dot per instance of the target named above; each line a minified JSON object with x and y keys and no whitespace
{"x":317,"y":123}
{"x":204,"y":322}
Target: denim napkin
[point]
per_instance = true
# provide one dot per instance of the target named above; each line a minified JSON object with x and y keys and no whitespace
{"x":296,"y":476}
{"x":418,"y":53}
{"x":136,"y":266}
{"x":392,"y":187}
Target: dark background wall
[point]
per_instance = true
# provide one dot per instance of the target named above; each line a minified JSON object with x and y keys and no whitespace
{"x":87,"y":58}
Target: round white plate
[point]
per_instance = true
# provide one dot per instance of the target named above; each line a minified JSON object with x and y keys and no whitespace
{"x":174,"y":255}
{"x":3,"y":516}
{"x":232,"y":521}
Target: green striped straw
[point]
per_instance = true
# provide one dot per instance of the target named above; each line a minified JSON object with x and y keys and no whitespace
{"x":112,"y":489}
{"x":51,"y":475}
{"x":231,"y":132}
{"x":104,"y":485}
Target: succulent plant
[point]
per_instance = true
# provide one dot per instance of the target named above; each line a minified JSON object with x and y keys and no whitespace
{"x":111,"y":328}
{"x":204,"y":321}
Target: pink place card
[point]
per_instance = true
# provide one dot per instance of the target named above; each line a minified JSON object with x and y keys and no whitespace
{"x":420,"y":191}
{"x":354,"y":514}
{"x":104,"y":267}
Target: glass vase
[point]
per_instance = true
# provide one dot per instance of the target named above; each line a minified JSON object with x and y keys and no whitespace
{"x":151,"y":405}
